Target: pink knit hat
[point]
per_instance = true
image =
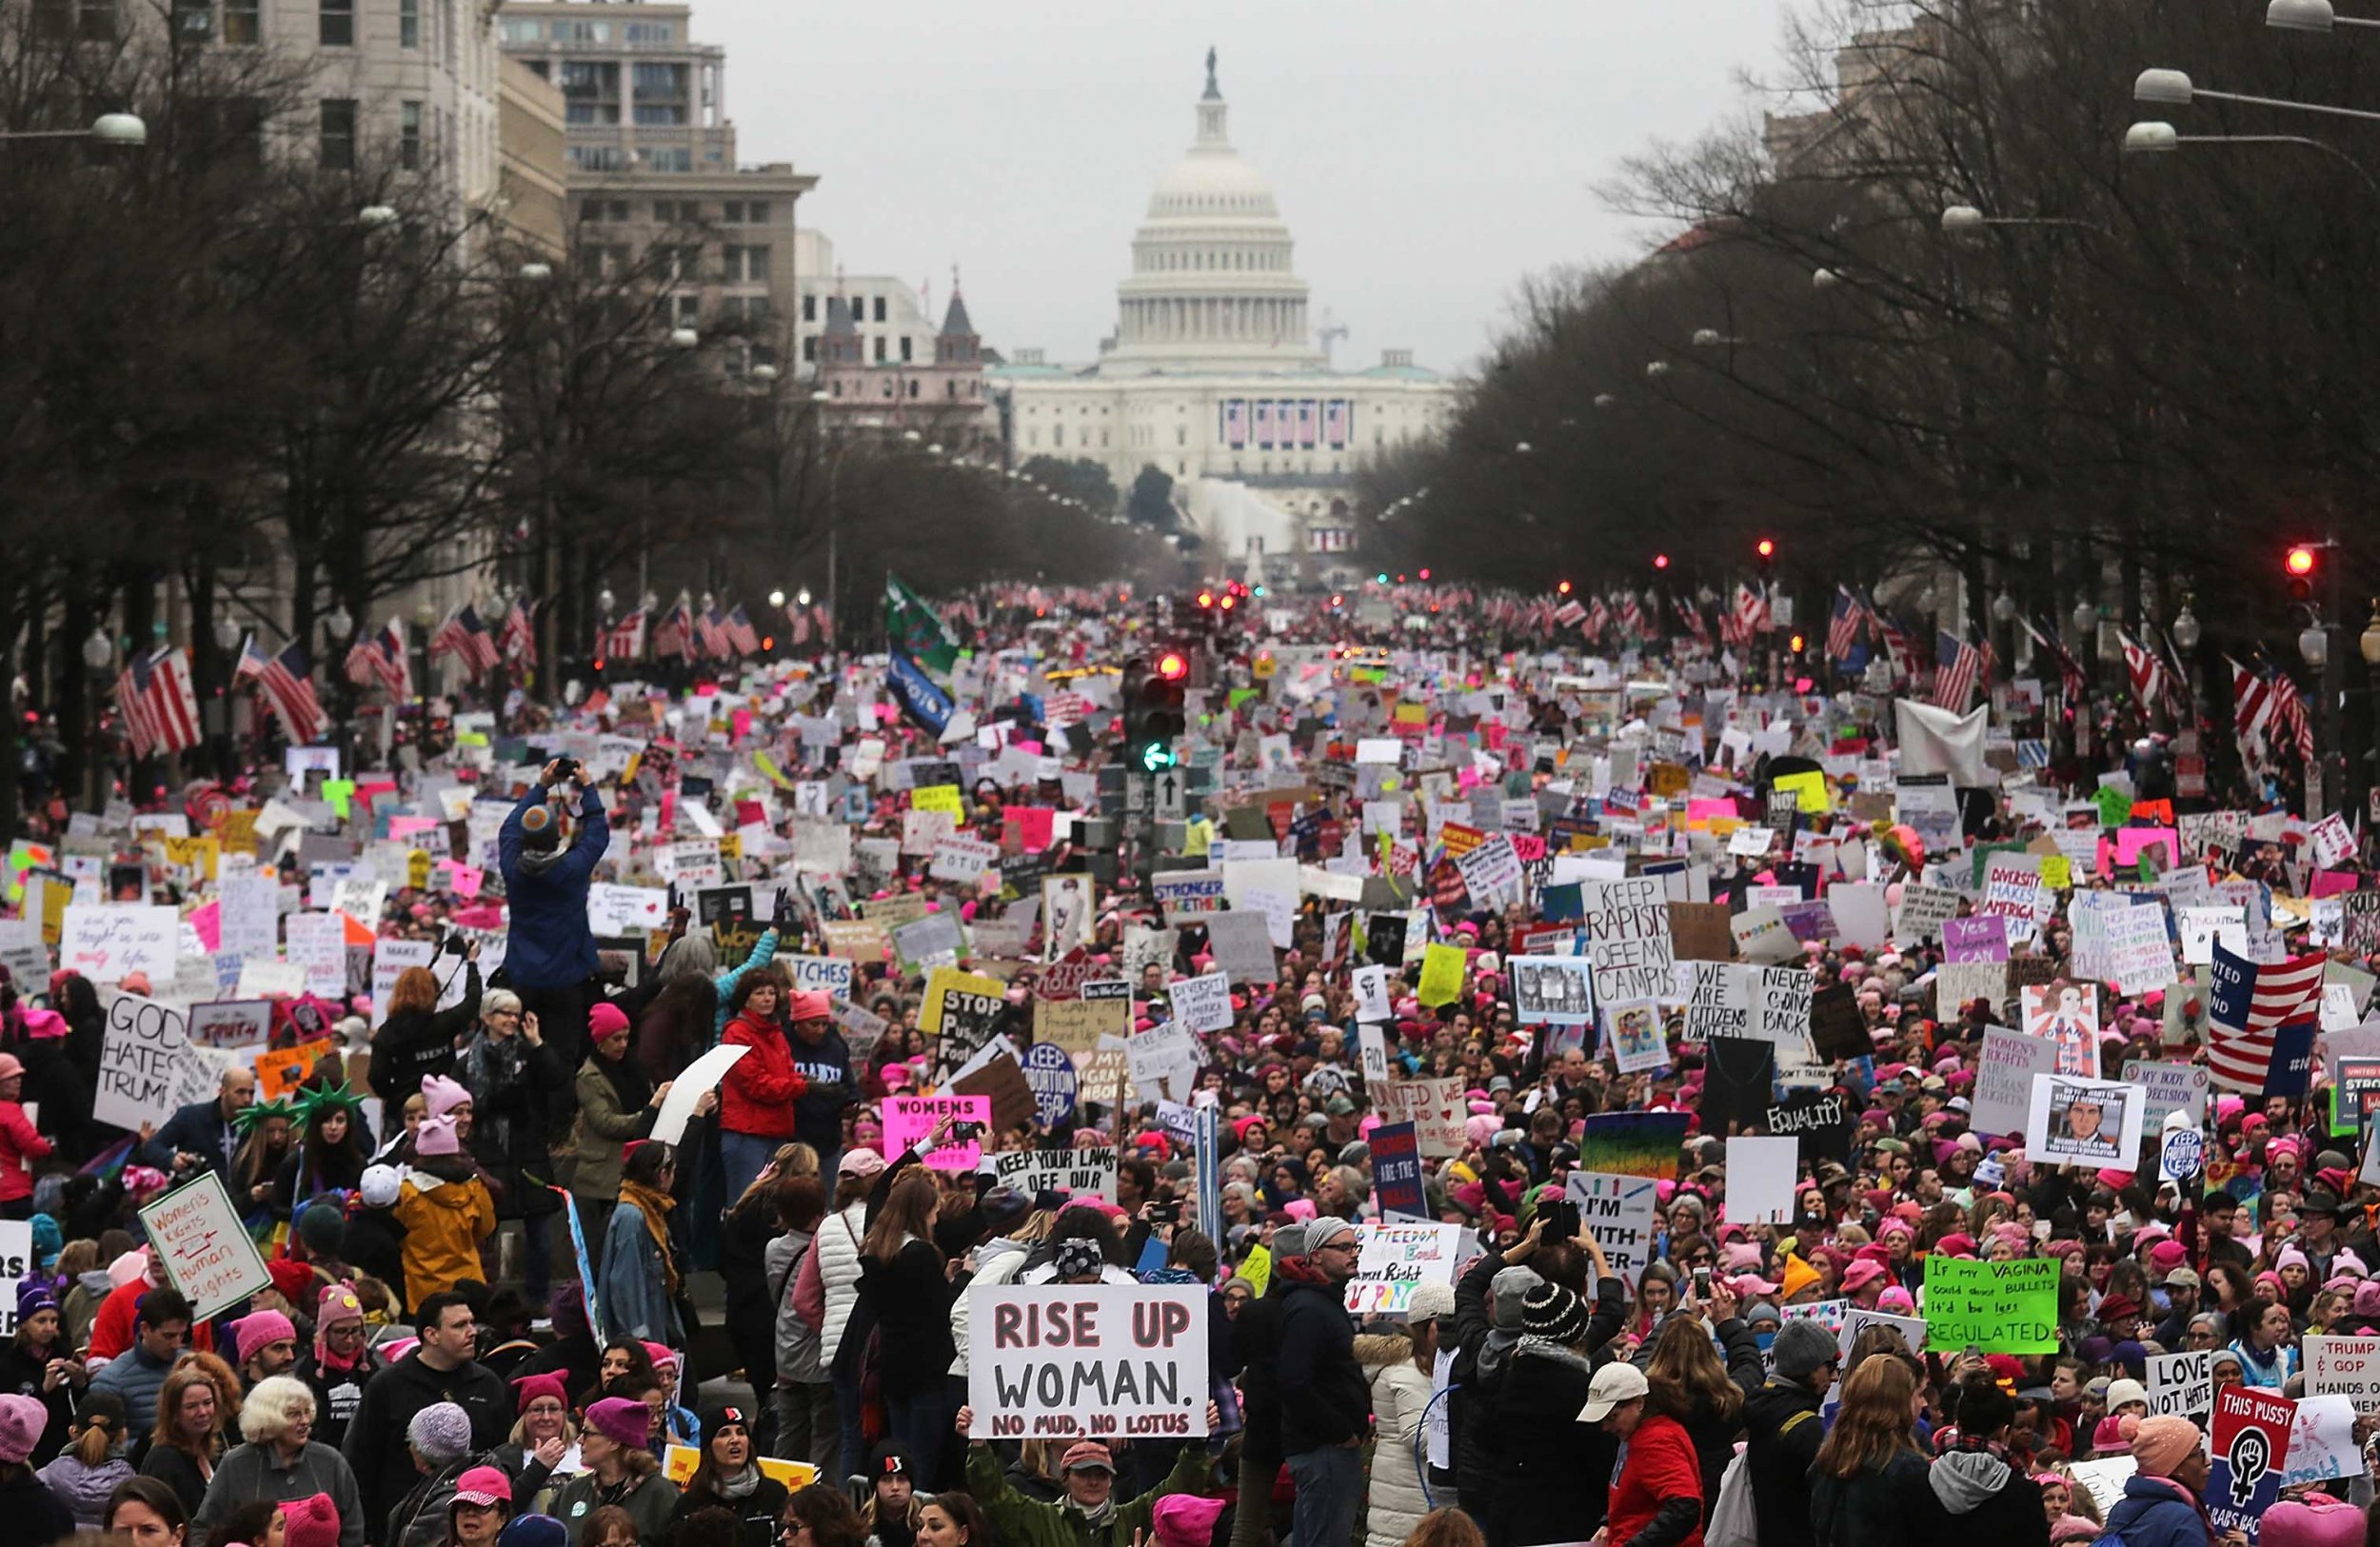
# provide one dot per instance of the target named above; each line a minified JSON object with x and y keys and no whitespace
{"x":2161,"y":1443}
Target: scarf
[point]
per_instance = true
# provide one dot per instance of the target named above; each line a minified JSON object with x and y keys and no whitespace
{"x":741,"y":1486}
{"x":656,"y":1211}
{"x":628,"y":1085}
{"x":1095,"y":1519}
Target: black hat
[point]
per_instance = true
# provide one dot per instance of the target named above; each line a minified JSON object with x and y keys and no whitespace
{"x":890,"y":1460}
{"x":1552,"y":1312}
{"x":715,"y":1418}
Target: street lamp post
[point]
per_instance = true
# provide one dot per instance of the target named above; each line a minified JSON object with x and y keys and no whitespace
{"x":99,"y":652}
{"x":108,"y":129}
{"x":424,"y":622}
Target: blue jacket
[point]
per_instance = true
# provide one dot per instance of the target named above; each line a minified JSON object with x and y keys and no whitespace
{"x":634,"y":1288}
{"x":133,"y":1375}
{"x":764,"y":952}
{"x":2157,"y":1512}
{"x":199,"y":1128}
{"x":551,"y":945}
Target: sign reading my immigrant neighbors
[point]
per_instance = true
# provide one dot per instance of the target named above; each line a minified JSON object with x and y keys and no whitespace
{"x":1059,"y":1360}
{"x":1998,"y":1307}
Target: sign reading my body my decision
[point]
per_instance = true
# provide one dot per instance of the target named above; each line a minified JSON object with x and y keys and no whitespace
{"x":1997,"y":1307}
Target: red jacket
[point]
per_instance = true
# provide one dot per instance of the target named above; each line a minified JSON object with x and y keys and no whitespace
{"x":757,"y":1095}
{"x":20,"y":1146}
{"x":1660,"y":1464}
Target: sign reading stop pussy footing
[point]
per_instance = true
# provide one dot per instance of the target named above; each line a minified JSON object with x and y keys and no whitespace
{"x":1056,"y":1360}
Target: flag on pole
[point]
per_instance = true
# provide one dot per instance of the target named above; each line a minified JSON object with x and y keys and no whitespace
{"x":1752,"y":612}
{"x":288,"y":683}
{"x":2145,"y":669}
{"x":741,"y":633}
{"x":1842,"y":625}
{"x":710,"y":628}
{"x":160,"y":707}
{"x":1958,"y":666}
{"x":464,"y":636}
{"x":916,"y":694}
{"x":625,"y":640}
{"x":915,"y":630}
{"x":519,"y":636}
{"x":674,"y":634}
{"x":2072,"y":677}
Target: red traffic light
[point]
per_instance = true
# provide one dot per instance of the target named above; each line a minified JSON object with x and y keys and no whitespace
{"x":1564,"y":588}
{"x":1206,"y":598}
{"x":1426,"y":574}
{"x":1172,"y":666}
{"x":1660,"y":561}
{"x":1227,"y":602}
{"x":1795,"y":644}
{"x":2300,"y":559}
{"x":1766,"y":547}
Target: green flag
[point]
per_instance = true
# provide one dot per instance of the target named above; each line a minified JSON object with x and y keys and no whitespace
{"x":913,"y":626}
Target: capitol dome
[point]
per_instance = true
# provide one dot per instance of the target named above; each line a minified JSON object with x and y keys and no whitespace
{"x":1211,"y":288}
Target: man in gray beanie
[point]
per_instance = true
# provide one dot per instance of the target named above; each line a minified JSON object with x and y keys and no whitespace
{"x":440,"y":1438}
{"x":1782,"y":1422}
{"x":1257,"y":1334}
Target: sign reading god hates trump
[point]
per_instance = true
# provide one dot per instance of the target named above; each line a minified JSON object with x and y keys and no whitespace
{"x":1068,"y":1360}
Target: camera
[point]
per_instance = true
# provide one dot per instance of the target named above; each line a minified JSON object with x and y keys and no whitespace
{"x":1166,"y":1213}
{"x":966,"y":1133}
{"x":456,"y":945}
{"x":1562,"y":1220}
{"x":566,"y":768}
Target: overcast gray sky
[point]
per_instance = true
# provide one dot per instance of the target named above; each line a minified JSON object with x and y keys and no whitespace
{"x":1427,"y":154}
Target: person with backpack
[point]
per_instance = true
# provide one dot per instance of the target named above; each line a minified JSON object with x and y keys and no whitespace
{"x":1783,"y":1427}
{"x":1986,"y":1501}
{"x":2164,"y":1503}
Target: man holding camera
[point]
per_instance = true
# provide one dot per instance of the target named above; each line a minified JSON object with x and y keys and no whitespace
{"x":550,"y":959}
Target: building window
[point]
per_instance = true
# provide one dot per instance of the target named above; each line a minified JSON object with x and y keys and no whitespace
{"x":337,"y":136}
{"x":809,"y":308}
{"x":809,"y":347}
{"x":409,"y":23}
{"x":689,"y":310}
{"x":669,"y":158}
{"x":905,"y":355}
{"x":661,"y":114}
{"x":336,"y":28}
{"x":598,"y":158}
{"x":880,"y":309}
{"x":745,"y":265}
{"x":950,"y":388}
{"x":242,"y":22}
{"x":913,"y":389}
{"x":1058,"y":435}
{"x":566,"y":31}
{"x":652,"y":32}
{"x":879,"y":349}
{"x":521,"y":30}
{"x":1181,"y":435}
{"x":409,"y":136}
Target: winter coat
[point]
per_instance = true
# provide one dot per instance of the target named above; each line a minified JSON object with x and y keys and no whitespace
{"x":649,"y":1503}
{"x":1395,"y":1501}
{"x":21,"y":1373}
{"x":254,"y":1472}
{"x":337,"y":1392}
{"x":1985,"y":1502}
{"x":757,"y":1096}
{"x":135,"y":1376}
{"x":2158,"y":1512}
{"x":510,"y":1084}
{"x":375,"y":1445}
{"x":550,"y":945}
{"x":764,"y":952}
{"x":411,"y":1046}
{"x":1657,"y":1497}
{"x":758,"y":1511}
{"x":84,"y":1489}
{"x":825,"y":1070}
{"x":601,"y":1134}
{"x":743,"y":1238}
{"x":444,"y":1221}
{"x":1886,"y":1506}
{"x":1324,"y":1400}
{"x":1715,"y":1437}
{"x":36,"y":1516}
{"x":419,"y":1518}
{"x":794,"y":1340}
{"x":1551,"y":1471}
{"x":1783,"y":1429}
{"x":1018,"y":1521}
{"x":997,"y":1261}
{"x":910,"y":1298}
{"x":20,"y":1146}
{"x":632,"y":1284}
{"x":838,"y":1251}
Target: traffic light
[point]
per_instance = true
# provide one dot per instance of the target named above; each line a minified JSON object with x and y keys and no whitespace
{"x":1795,"y":644}
{"x":1660,"y":561}
{"x":1564,"y":588}
{"x":1766,"y":550}
{"x":1153,"y":712}
{"x":2301,"y":564}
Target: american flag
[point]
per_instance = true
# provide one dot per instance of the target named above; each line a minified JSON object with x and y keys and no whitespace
{"x":382,"y":659}
{"x":1842,"y":625}
{"x":1598,"y":618}
{"x":1752,"y":612}
{"x":2251,"y":1006}
{"x":741,"y":633}
{"x":519,"y":636}
{"x":2072,"y":677}
{"x":1958,"y":666}
{"x":1066,"y":709}
{"x":160,"y":707}
{"x":288,"y":682}
{"x":1631,"y":616}
{"x":625,"y":640}
{"x":1691,"y":617}
{"x":673,"y":635}
{"x":2146,"y":670}
{"x":464,"y":636}
{"x":2290,"y":716}
{"x":1899,"y":645}
{"x":1571,"y":613}
{"x":710,"y":628}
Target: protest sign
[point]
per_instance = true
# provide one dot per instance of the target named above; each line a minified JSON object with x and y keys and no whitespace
{"x":830,"y":975}
{"x":1165,"y":1062}
{"x":960,"y":1008}
{"x":1078,"y":1173}
{"x":1856,"y":1320}
{"x":141,"y":1062}
{"x":1628,"y":939}
{"x":1203,"y":1003}
{"x":2081,"y":1122}
{"x":909,"y":1119}
{"x":2322,"y":1442}
{"x":231,"y":1023}
{"x":1062,"y":1360}
{"x":1999,"y":1307}
{"x":1049,"y":1072}
{"x":1076,"y":1025}
{"x":1395,"y":1258}
{"x":281,"y":1070}
{"x":1781,"y":1010}
{"x":2168,"y":1087}
{"x":2003,"y":1098}
{"x":1372,"y":1003}
{"x":1719,"y":1002}
{"x":2068,"y":1020}
{"x":2182,"y":1384}
{"x":2250,"y":1447}
{"x":1242,"y":942}
{"x":1396,"y":1171}
{"x":1617,"y":1212}
{"x":1821,"y":1122}
{"x":2345,"y":1367}
{"x":203,"y":1247}
{"x":1633,"y":1144}
{"x":1760,"y":1172}
{"x":1435,"y":1107}
{"x":1188,"y":894}
{"x":109,"y":941}
{"x":1551,"y":989}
